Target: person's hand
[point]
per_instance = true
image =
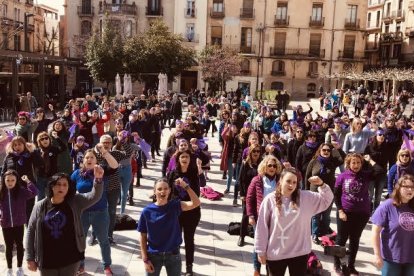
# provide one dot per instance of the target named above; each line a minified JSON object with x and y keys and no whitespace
{"x":100,"y":148}
{"x":55,"y":134}
{"x":32,"y":266}
{"x":180,"y":182}
{"x":287,"y":165}
{"x":336,"y":145}
{"x":25,"y":179}
{"x":252,"y":221}
{"x":50,"y":106}
{"x":262,"y":260}
{"x":378,"y":261}
{"x":149,"y":267}
{"x":342,"y":215}
{"x":243,"y":198}
{"x":199,"y":162}
{"x":367,"y":157}
{"x":315,"y":180}
{"x":98,"y":171}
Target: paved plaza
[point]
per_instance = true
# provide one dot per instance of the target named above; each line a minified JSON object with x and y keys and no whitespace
{"x":217,"y":253}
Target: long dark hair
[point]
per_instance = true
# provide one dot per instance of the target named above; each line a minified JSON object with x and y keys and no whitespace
{"x":177,"y":159}
{"x":53,"y":181}
{"x":16,"y":188}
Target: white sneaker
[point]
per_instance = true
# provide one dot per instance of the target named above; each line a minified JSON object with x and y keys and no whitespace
{"x":20,"y":271}
{"x":9,"y":272}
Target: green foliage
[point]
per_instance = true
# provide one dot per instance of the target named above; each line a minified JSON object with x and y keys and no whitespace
{"x":157,"y":51}
{"x":105,"y":55}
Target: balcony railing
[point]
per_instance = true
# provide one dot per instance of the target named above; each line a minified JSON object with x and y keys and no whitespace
{"x":311,"y":53}
{"x":190,"y":13}
{"x":391,"y":37}
{"x":409,"y":32}
{"x":246,"y":13}
{"x":154,"y":12}
{"x":312,"y":75}
{"x":190,"y":37}
{"x":399,"y":14}
{"x":245,"y":72}
{"x":278,"y":73}
{"x":281,"y":22}
{"x":244,"y":49}
{"x":86,"y":11}
{"x":217,"y":14}
{"x":387,"y":17}
{"x":316,"y":22}
{"x":128,"y":9}
{"x":351,"y":55}
{"x":351,"y":24}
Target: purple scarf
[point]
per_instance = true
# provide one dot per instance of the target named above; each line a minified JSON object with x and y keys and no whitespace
{"x":22,"y":156}
{"x":324,"y":161}
{"x":312,"y":145}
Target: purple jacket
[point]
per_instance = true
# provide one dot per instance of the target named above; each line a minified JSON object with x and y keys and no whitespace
{"x":13,"y":210}
{"x":351,"y":192}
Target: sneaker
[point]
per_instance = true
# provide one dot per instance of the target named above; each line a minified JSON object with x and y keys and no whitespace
{"x":316,"y":240}
{"x":111,"y":241}
{"x":9,"y":272}
{"x":20,"y":271}
{"x":353,"y":271}
{"x":108,"y":271}
{"x":235,"y":203}
{"x":92,"y":241}
{"x":81,"y":270}
{"x":131,"y":201}
{"x":226,"y":191}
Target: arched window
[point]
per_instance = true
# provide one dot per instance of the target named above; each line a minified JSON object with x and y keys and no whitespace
{"x":311,"y":87}
{"x":86,"y":27}
{"x":278,"y":68}
{"x":245,"y":66}
{"x":276,"y":85}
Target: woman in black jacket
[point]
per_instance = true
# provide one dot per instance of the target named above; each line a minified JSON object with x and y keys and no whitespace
{"x":379,"y":151}
{"x":323,"y":164}
{"x":248,"y":170}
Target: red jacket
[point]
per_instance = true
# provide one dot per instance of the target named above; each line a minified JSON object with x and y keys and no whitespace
{"x":254,"y":196}
{"x":100,"y":123}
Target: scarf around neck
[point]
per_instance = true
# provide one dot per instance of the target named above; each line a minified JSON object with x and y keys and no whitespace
{"x":324,"y":161}
{"x":312,"y":145}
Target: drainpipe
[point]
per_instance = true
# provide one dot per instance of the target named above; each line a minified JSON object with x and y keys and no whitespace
{"x":332,"y":44}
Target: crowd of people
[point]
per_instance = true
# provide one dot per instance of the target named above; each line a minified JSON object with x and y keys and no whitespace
{"x":65,"y":171}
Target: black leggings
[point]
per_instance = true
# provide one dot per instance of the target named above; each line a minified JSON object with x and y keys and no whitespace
{"x":189,"y":221}
{"x":244,"y":222}
{"x":297,"y":266}
{"x":351,"y":228}
{"x":14,"y":235}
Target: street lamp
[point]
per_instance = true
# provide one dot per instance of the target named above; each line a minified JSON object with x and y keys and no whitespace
{"x":259,"y":29}
{"x":26,"y":40}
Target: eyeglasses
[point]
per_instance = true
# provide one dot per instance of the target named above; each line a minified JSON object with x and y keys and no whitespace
{"x":326,"y":150}
{"x":272,"y":166}
{"x":405,"y":155}
{"x":44,"y":139}
{"x":408,"y":187}
{"x":299,"y":131}
{"x":256,"y":151}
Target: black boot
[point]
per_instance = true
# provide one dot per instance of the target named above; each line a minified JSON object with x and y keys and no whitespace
{"x":189,"y":270}
{"x":138,"y":182}
{"x":131,"y":201}
{"x":240,"y":241}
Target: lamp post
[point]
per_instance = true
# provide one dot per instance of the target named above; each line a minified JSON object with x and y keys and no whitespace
{"x":26,"y":40}
{"x":259,"y":29}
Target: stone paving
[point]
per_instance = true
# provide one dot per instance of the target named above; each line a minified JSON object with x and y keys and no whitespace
{"x":217,"y":253}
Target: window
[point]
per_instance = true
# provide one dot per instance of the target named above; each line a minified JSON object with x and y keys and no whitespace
{"x":17,"y":42}
{"x":246,"y":37}
{"x":400,"y":5}
{"x":218,"y":6}
{"x":278,"y":66}
{"x":280,"y":42}
{"x":388,"y":10}
{"x":276,"y":85}
{"x":86,"y":6}
{"x":189,"y":32}
{"x":398,"y":27}
{"x":369,"y":20}
{"x":216,"y":35}
{"x":387,"y":28}
{"x":378,"y":19}
{"x":311,"y":87}
{"x":4,"y":10}
{"x":245,"y":66}
{"x":5,"y":41}
{"x":352,"y":13}
{"x":315,"y":45}
{"x":317,"y":12}
{"x":128,"y":28}
{"x":281,"y":12}
{"x":396,"y":51}
{"x":154,"y":5}
{"x":313,"y":68}
{"x":349,"y":46}
{"x":86,"y":28}
{"x":190,"y":10}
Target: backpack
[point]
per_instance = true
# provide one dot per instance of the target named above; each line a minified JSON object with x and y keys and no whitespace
{"x":210,"y":194}
{"x":124,"y":222}
{"x":314,"y":265}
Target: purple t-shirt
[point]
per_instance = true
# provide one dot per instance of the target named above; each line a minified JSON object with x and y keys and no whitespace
{"x":354,"y":186}
{"x":397,"y":235}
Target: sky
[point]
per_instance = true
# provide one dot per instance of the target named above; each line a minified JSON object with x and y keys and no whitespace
{"x":57,"y":4}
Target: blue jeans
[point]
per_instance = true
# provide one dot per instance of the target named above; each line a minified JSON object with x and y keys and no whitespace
{"x":171,"y":262}
{"x":125,"y":175}
{"x":394,"y":269}
{"x":256,"y":264}
{"x":378,"y":184}
{"x":41,"y":185}
{"x":321,"y":222}
{"x":100,"y":221}
{"x":229,"y":172}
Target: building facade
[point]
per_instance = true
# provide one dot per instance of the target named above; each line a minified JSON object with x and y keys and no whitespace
{"x":390,"y":28}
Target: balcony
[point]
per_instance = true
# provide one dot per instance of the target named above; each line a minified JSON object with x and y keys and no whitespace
{"x":398,"y":15}
{"x":245,"y":72}
{"x":190,"y":37}
{"x":312,"y":75}
{"x":216,"y":13}
{"x":128,"y":9}
{"x":86,"y":11}
{"x":301,"y":53}
{"x":190,"y":13}
{"x":348,"y":55}
{"x":409,"y":32}
{"x":281,"y":22}
{"x":411,"y":6}
{"x":278,"y":73}
{"x":244,"y":49}
{"x":386,"y":18}
{"x":351,"y":24}
{"x":391,"y":37}
{"x":150,"y":12}
{"x":316,"y":22}
{"x":246,"y":13}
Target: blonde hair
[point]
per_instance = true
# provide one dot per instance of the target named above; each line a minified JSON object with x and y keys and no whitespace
{"x":351,"y":156}
{"x":261,"y":170}
{"x":401,"y":152}
{"x":354,"y":123}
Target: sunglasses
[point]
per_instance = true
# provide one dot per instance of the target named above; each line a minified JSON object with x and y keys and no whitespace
{"x":326,"y":150}
{"x":380,"y":134}
{"x":405,"y":155}
{"x":22,"y":119}
{"x":256,"y":151}
{"x":44,"y":139}
{"x":299,"y":131}
{"x":272,"y":166}
{"x":408,"y":187}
